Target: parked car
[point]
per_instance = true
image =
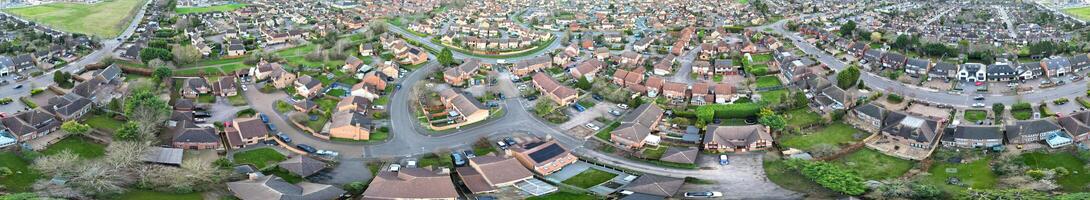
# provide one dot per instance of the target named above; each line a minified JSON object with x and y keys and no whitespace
{"x":578,"y":107}
{"x":615,"y":112}
{"x":502,"y":145}
{"x":459,"y":159}
{"x":283,"y":137}
{"x":272,"y":128}
{"x":978,"y":105}
{"x":723,"y":160}
{"x":597,"y":97}
{"x":306,"y":148}
{"x":979,"y":98}
{"x":531,"y":98}
{"x":395,"y":167}
{"x":470,"y":153}
{"x":264,"y":118}
{"x":623,"y":106}
{"x":20,"y":86}
{"x":510,"y":141}
{"x":328,"y":153}
{"x":592,"y":126}
{"x":703,"y":194}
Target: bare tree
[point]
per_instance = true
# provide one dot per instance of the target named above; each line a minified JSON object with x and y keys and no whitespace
{"x":125,"y":154}
{"x":61,"y":164}
{"x":46,"y":188}
{"x":97,"y":179}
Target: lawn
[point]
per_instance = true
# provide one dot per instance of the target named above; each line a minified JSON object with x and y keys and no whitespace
{"x":835,"y":134}
{"x":23,"y":177}
{"x":802,"y":117}
{"x":83,"y":147}
{"x":768,"y":81}
{"x":206,"y":98}
{"x":654,"y":153}
{"x":283,"y":107}
{"x":976,"y":115}
{"x":589,"y":178}
{"x":564,"y":195}
{"x":761,"y":58}
{"x":1080,"y":12}
{"x":873,"y":165}
{"x":105,"y":19}
{"x":104,"y":123}
{"x":148,"y":194}
{"x":259,"y":158}
{"x":325,"y":104}
{"x":237,"y":100}
{"x":438,"y":160}
{"x":318,"y":123}
{"x":774,"y":97}
{"x":1022,"y":114}
{"x":1075,"y":182}
{"x":219,"y":8}
{"x":296,"y":56}
{"x":977,"y":175}
{"x":604,"y":133}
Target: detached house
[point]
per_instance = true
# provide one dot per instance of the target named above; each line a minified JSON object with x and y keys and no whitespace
{"x":246,"y":131}
{"x":916,"y":67}
{"x":226,"y":86}
{"x":194,"y":87}
{"x":867,"y":117}
{"x":737,"y":138}
{"x":31,"y":124}
{"x":894,"y":60}
{"x":562,"y":95}
{"x":911,"y":131}
{"x":1030,"y":131}
{"x":411,"y":183}
{"x":307,"y":86}
{"x":1077,"y":125}
{"x":542,"y":157}
{"x":187,"y":135}
{"x":1001,"y":72}
{"x":943,"y":70}
{"x":1056,"y":67}
{"x":486,"y":174}
{"x":972,"y":72}
{"x":972,"y":136}
{"x":457,"y":76}
{"x":636,"y":126}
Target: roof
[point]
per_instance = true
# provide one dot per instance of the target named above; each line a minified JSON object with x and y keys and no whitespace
{"x":911,"y":127}
{"x":680,"y":155}
{"x":655,"y":185}
{"x":1030,"y":127}
{"x":636,"y":125}
{"x":272,"y":187}
{"x":974,"y":132}
{"x":410,"y":183}
{"x":1076,"y":123}
{"x":871,"y":110}
{"x":302,"y":165}
{"x":32,"y":121}
{"x":169,"y":156}
{"x":736,"y":135}
{"x":246,"y":128}
{"x":542,"y":152}
{"x":485,"y":173}
{"x":187,"y":131}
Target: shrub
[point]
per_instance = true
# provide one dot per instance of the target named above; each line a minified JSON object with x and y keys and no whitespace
{"x":1021,"y":106}
{"x":894,"y":98}
{"x":36,"y":91}
{"x":1060,"y":101}
{"x":5,"y":101}
{"x":830,"y":176}
{"x":29,"y":103}
{"x":738,"y":110}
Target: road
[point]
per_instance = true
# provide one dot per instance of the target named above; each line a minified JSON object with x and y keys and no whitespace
{"x":878,"y":82}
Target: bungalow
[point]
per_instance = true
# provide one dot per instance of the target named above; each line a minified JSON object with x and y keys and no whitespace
{"x":350,"y":124}
{"x":972,"y":136}
{"x":246,"y":131}
{"x":542,"y":157}
{"x":631,"y":58}
{"x":272,"y":187}
{"x":664,"y":66}
{"x":467,"y":111}
{"x":737,"y":138}
{"x":31,"y":124}
{"x":642,"y":44}
{"x":302,"y":165}
{"x":457,"y":76}
{"x":411,"y":183}
{"x":636,"y":126}
{"x":486,"y":174}
{"x":562,"y":95}
{"x":307,"y":86}
{"x":187,"y":135}
{"x":351,"y":64}
{"x":1077,"y":125}
{"x":70,"y":106}
{"x":650,"y":186}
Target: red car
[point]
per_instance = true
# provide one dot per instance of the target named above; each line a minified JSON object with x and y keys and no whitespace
{"x":979,"y":83}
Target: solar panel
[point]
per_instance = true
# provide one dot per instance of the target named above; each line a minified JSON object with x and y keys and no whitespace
{"x":546,"y":153}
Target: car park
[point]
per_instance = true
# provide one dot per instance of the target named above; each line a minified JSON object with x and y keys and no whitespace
{"x":306,"y":148}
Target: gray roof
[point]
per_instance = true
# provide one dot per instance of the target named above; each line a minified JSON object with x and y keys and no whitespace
{"x":302,"y":165}
{"x":918,"y":64}
{"x":871,"y":110}
{"x":977,"y":132}
{"x":187,"y":131}
{"x":679,"y":155}
{"x":655,"y":185}
{"x":915,"y":128}
{"x":272,"y":187}
{"x":1030,"y":127}
{"x":169,"y":156}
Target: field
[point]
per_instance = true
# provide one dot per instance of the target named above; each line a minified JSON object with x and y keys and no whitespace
{"x":589,"y":178}
{"x":23,"y":177}
{"x":874,"y":165}
{"x":977,"y":175}
{"x":1075,"y":182}
{"x":1080,"y":12}
{"x":835,"y":134}
{"x":105,"y":19}
{"x":260,"y":158}
{"x":219,"y":8}
{"x":83,"y":147}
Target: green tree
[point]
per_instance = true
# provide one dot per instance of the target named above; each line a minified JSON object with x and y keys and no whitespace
{"x":830,"y":176}
{"x":998,"y":109}
{"x":128,"y":131}
{"x":847,"y":28}
{"x":771,"y":119}
{"x":446,"y":57}
{"x":147,"y":54}
{"x":902,"y":42}
{"x":64,"y":79}
{"x":848,"y":77}
{"x":876,"y":36}
{"x":147,"y":109}
{"x":75,"y":127}
{"x":162,"y":73}
{"x":583,"y":83}
{"x":187,"y":54}
{"x":355,"y":188}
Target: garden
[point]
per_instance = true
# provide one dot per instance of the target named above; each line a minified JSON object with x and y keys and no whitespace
{"x":259,"y":158}
{"x":802,"y":118}
{"x":83,"y":147}
{"x":22,"y":175}
{"x":768,"y":82}
{"x":103,"y":19}
{"x":1077,"y":178}
{"x":104,"y":122}
{"x":834,"y":135}
{"x":976,"y":115}
{"x":976,"y":174}
{"x":1021,"y":111}
{"x":874,"y":165}
{"x":589,"y":178}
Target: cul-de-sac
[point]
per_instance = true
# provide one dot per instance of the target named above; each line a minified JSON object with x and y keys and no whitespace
{"x":544,"y":99}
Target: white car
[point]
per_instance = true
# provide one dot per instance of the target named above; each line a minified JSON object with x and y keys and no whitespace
{"x":395,"y":167}
{"x":243,"y":87}
{"x":703,"y":194}
{"x":592,"y":126}
{"x":978,"y":105}
{"x":623,"y":106}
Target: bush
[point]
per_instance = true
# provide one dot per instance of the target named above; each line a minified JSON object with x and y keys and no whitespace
{"x":29,"y":103}
{"x":738,"y":110}
{"x":894,"y":98}
{"x":1021,"y":106}
{"x":5,"y":101}
{"x":36,"y":91}
{"x":830,"y":176}
{"x":1060,"y":101}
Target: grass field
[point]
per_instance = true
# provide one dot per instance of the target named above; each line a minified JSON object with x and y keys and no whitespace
{"x":654,"y":153}
{"x":768,"y":81}
{"x":773,"y":97}
{"x":79,"y":145}
{"x":260,"y":158}
{"x":104,"y":123}
{"x":23,"y":177}
{"x":1080,"y":12}
{"x":564,"y":195}
{"x":977,"y":175}
{"x":835,"y":134}
{"x":219,"y":8}
{"x":874,"y":165}
{"x":1075,"y":182}
{"x":778,"y":172}
{"x":105,"y":19}
{"x":589,"y":178}
{"x":802,"y":117}
{"x":148,"y":194}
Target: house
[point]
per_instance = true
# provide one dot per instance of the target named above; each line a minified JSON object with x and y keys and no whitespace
{"x":351,"y":64}
{"x":246,"y":131}
{"x":867,"y":117}
{"x":942,"y":70}
{"x":1001,"y":71}
{"x":724,"y":93}
{"x":737,"y":138}
{"x":353,"y":103}
{"x":587,"y":69}
{"x":680,"y":155}
{"x":465,"y":110}
{"x":725,"y":67}
{"x":972,"y":136}
{"x":542,"y":157}
{"x":307,"y":86}
{"x":24,"y":62}
{"x":7,"y":66}
{"x":916,"y":67}
{"x":1056,"y":67}
{"x":485,"y":174}
{"x":911,"y":130}
{"x":70,"y":106}
{"x":700,"y":94}
{"x":1031,"y":70}
{"x":664,"y":66}
{"x":654,"y":85}
{"x":413,"y":56}
{"x":1079,"y":62}
{"x":302,"y":165}
{"x":894,"y":60}
{"x":31,"y":124}
{"x":1030,"y":131}
{"x":350,"y":124}
{"x":642,"y":44}
{"x":701,"y":67}
{"x":226,"y":86}
{"x":650,"y":186}
{"x":675,"y":91}
{"x":832,"y":98}
{"x":631,"y":58}
{"x":525,"y":67}
{"x":972,"y":72}
{"x":193,"y":87}
{"x":272,"y":187}
{"x":1077,"y":125}
{"x":636,"y":126}
{"x":367,"y":49}
{"x":562,"y":95}
{"x":187,"y":135}
{"x":872,"y":58}
{"x":411,"y":183}
{"x":457,"y":76}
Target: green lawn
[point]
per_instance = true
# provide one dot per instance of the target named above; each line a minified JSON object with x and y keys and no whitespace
{"x":589,"y":178}
{"x":1080,"y":12}
{"x":1022,"y":114}
{"x":23,"y":175}
{"x":976,"y":115}
{"x":874,"y":165}
{"x":148,"y":194}
{"x":318,"y":123}
{"x":326,"y":103}
{"x":104,"y":123}
{"x":438,"y":160}
{"x":802,"y":117}
{"x":237,"y":100}
{"x":206,"y":98}
{"x":604,"y":133}
{"x":283,"y":107}
{"x":296,"y":56}
{"x":259,"y":158}
{"x":1075,"y":182}
{"x":977,"y":175}
{"x":835,"y":134}
{"x":564,"y":195}
{"x":83,"y":147}
{"x":105,"y":19}
{"x":774,"y":97}
{"x":761,"y":58}
{"x":219,"y":8}
{"x":768,"y":81}
{"x":654,"y":153}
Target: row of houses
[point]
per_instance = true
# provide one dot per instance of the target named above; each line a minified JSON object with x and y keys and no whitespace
{"x":641,"y":127}
{"x":31,"y":124}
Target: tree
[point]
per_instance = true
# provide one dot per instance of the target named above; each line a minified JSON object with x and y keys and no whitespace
{"x":146,"y":109}
{"x":876,"y":36}
{"x":186,"y":54}
{"x":544,"y":107}
{"x":162,"y":73}
{"x":583,"y":83}
{"x":830,"y":176}
{"x":771,"y":119}
{"x":147,"y":54}
{"x":998,"y":109}
{"x":5,"y":171}
{"x":128,"y":131}
{"x":902,"y":42}
{"x":74,"y":127}
{"x":98,"y":179}
{"x":847,"y":28}
{"x":446,"y":57}
{"x":848,"y":77}
{"x":60,"y":164}
{"x":64,"y":79}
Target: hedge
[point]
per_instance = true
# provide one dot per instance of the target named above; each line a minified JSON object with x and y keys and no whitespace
{"x":1084,"y":102}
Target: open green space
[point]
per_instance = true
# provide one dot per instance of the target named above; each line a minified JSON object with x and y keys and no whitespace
{"x":83,"y":147}
{"x":104,"y":123}
{"x":23,"y":176}
{"x":149,"y":194}
{"x":259,"y":158}
{"x":1074,"y":182}
{"x":837,"y":134}
{"x":105,"y":19}
{"x":778,"y":172}
{"x":1080,"y":12}
{"x":296,"y":56}
{"x":976,"y":115}
{"x":874,"y":165}
{"x":589,"y":178}
{"x":802,"y":118}
{"x":219,"y":8}
{"x":977,"y":175}
{"x":768,"y":81}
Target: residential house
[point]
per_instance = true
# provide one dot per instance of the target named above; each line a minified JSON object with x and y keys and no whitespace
{"x":31,"y":124}
{"x":654,"y":85}
{"x":636,"y":127}
{"x":867,"y":117}
{"x":972,"y":72}
{"x":542,"y":157}
{"x":737,"y":138}
{"x":680,"y":155}
{"x":1001,"y":71}
{"x":350,"y":124}
{"x":187,"y":135}
{"x":894,"y":60}
{"x":562,"y":95}
{"x":302,"y":165}
{"x":226,"y":86}
{"x":703,"y":68}
{"x":367,"y":49}
{"x":411,"y":183}
{"x":525,"y":67}
{"x":972,"y":136}
{"x":413,"y":56}
{"x":942,"y":70}
{"x":275,"y":73}
{"x":465,"y":110}
{"x":272,"y":187}
{"x":1077,"y":125}
{"x":650,"y":186}
{"x":724,"y":93}
{"x":458,"y":75}
{"x":675,"y":91}
{"x":587,"y":69}
{"x":246,"y":131}
{"x":351,"y":64}
{"x":1030,"y":70}
{"x":911,"y":131}
{"x":486,"y":174}
{"x":70,"y":106}
{"x":1056,"y":67}
{"x":1030,"y":131}
{"x":1079,"y":62}
{"x":308,"y":86}
{"x":193,"y":87}
{"x":724,"y":67}
{"x":916,"y":67}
